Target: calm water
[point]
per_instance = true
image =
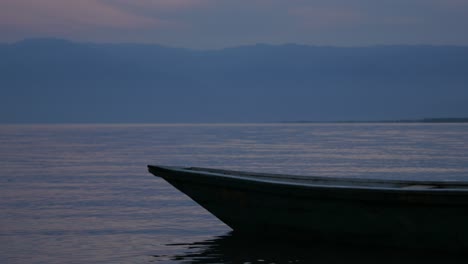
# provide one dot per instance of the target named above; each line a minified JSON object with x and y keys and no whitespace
{"x":81,"y":193}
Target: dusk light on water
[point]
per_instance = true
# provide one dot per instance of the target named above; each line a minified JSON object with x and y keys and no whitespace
{"x":81,"y":193}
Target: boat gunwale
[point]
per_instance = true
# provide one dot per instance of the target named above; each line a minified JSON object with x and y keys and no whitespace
{"x":256,"y":177}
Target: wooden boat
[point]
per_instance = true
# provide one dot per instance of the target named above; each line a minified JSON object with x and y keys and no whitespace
{"x":410,"y":214}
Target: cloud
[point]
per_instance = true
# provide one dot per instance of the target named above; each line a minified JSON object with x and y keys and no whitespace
{"x":161,"y":4}
{"x":60,"y":15}
{"x":325,"y":17}
{"x":221,"y":23}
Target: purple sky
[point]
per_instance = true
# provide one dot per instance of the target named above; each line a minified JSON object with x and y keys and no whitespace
{"x":218,"y":23}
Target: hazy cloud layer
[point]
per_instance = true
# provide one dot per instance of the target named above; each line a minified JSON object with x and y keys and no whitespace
{"x":220,"y":23}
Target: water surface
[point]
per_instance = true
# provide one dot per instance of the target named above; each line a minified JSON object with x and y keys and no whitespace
{"x":81,"y":193}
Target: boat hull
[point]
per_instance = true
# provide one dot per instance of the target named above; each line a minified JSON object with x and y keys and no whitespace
{"x":409,"y":219}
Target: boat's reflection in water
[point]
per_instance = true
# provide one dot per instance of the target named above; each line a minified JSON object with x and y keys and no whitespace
{"x":235,"y":248}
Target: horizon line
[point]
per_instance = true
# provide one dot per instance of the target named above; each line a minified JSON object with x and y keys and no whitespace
{"x":421,"y":120}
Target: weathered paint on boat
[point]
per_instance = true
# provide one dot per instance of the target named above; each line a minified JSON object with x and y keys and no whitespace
{"x":410,"y":214}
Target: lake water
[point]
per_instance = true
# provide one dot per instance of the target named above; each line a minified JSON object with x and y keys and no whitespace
{"x":82,"y":193}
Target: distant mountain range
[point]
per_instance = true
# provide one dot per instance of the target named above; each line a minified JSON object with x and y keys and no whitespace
{"x":57,"y":81}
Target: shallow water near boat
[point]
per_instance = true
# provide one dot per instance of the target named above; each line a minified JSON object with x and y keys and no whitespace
{"x":82,"y":193}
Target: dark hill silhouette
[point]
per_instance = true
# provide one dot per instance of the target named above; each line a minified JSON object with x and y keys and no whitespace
{"x":53,"y":80}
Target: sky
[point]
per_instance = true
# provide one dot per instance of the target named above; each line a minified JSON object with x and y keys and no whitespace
{"x":207,"y":24}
